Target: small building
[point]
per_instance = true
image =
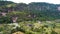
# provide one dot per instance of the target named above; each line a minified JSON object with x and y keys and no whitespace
{"x":58,"y":8}
{"x":39,"y":22}
{"x":10,"y":9}
{"x":3,"y":13}
{"x":48,"y":21}
{"x":31,"y":16}
{"x":14,"y":18}
{"x":57,"y":20}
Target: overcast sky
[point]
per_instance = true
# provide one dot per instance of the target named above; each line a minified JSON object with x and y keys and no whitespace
{"x":28,"y":1}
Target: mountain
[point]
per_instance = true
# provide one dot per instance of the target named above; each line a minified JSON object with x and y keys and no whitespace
{"x":2,"y":3}
{"x":32,"y":11}
{"x":41,"y":9}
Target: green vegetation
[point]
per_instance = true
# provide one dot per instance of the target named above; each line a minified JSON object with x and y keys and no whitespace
{"x":32,"y":18}
{"x":32,"y":28}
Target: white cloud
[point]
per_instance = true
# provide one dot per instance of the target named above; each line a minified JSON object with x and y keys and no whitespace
{"x":28,"y":1}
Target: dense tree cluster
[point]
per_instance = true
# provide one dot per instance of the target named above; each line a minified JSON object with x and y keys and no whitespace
{"x":27,"y":12}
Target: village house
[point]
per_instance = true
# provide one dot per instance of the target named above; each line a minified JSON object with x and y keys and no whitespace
{"x":3,"y":13}
{"x":48,"y":21}
{"x":58,"y":8}
{"x":14,"y":19}
{"x":10,"y":9}
{"x":31,"y":16}
{"x":39,"y":22}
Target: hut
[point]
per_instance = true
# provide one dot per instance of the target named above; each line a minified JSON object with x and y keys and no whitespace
{"x":3,"y":13}
{"x":14,"y":18}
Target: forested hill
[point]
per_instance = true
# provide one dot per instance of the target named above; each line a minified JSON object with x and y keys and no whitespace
{"x":2,"y":3}
{"x":32,"y":11}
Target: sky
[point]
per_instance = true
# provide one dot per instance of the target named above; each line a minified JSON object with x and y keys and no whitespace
{"x":29,"y":1}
